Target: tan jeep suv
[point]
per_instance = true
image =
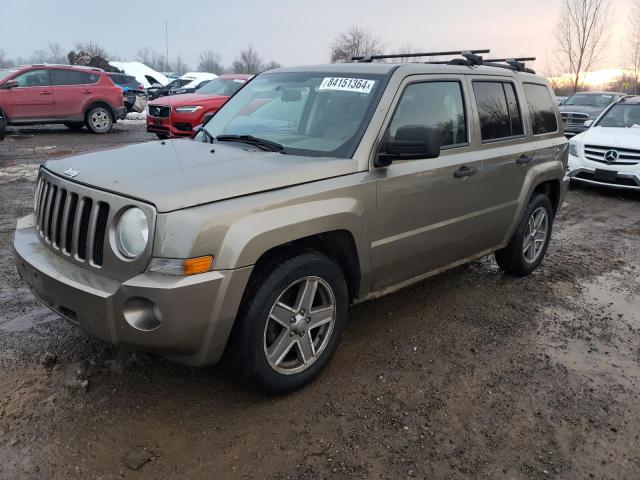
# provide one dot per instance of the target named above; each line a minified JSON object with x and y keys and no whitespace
{"x":312,"y":189}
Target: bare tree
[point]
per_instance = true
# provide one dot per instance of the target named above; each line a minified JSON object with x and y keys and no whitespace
{"x":56,"y":54}
{"x":94,"y":49}
{"x":4,"y":61}
{"x":581,"y":35}
{"x":271,"y":65}
{"x":179,"y":66}
{"x":209,"y":61}
{"x":152,"y":59}
{"x":632,"y":45}
{"x":356,"y":42}
{"x":248,"y":62}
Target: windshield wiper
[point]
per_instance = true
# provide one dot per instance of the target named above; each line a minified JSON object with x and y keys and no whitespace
{"x":251,"y":140}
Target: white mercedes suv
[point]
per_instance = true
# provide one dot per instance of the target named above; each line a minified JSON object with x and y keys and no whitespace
{"x":608,"y":153}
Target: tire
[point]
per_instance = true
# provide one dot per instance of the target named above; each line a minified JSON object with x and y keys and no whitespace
{"x":518,"y":258}
{"x":268,"y":352}
{"x":74,"y":126}
{"x":3,"y":127}
{"x":162,"y":136}
{"x":99,"y":120}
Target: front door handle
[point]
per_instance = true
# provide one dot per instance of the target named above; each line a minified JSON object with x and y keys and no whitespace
{"x":524,"y":160}
{"x":465,"y":171}
{"x":44,"y":92}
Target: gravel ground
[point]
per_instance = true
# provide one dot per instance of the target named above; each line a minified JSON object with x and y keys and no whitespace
{"x":471,"y":374}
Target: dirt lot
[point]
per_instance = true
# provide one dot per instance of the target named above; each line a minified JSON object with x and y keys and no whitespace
{"x":471,"y":374}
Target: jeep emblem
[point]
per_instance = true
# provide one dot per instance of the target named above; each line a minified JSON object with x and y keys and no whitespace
{"x":70,"y":172}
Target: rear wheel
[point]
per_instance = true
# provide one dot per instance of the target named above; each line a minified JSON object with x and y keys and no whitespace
{"x":529,"y":243}
{"x":99,"y":120}
{"x":291,"y":321}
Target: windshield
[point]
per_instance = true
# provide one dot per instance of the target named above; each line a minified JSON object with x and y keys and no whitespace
{"x":222,"y":86}
{"x":590,"y":100}
{"x":7,"y":72}
{"x":621,"y":116}
{"x":308,"y":113}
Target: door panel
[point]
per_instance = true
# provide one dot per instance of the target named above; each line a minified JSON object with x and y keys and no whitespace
{"x":425,"y":214}
{"x":71,"y":90}
{"x":507,"y":158}
{"x":32,"y":99}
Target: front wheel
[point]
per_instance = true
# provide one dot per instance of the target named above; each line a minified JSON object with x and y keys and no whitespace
{"x":529,"y":243}
{"x":291,"y":321}
{"x":99,"y":120}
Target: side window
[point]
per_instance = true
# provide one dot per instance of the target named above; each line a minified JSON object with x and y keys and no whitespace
{"x":433,"y":104}
{"x":541,"y":109}
{"x":498,"y":110}
{"x":72,"y":77}
{"x":33,"y":78}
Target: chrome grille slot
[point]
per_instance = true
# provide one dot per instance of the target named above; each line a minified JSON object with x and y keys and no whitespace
{"x":83,"y":230}
{"x":75,"y":221}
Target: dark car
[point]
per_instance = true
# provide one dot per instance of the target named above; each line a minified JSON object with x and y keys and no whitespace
{"x":189,"y":88}
{"x":3,"y":127}
{"x":131,"y":88}
{"x":157,"y":90}
{"x":584,"y":106}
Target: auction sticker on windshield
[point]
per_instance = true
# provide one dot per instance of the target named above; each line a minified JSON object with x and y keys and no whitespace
{"x":347,"y":84}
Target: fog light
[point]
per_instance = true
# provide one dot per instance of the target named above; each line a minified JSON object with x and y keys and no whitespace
{"x":142,"y":314}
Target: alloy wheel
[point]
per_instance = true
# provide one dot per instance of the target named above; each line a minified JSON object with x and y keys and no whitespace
{"x":535,"y":235}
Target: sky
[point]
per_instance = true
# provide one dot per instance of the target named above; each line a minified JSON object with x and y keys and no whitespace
{"x":292,"y":32}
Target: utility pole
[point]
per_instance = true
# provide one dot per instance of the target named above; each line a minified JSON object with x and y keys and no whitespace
{"x":166,"y":38}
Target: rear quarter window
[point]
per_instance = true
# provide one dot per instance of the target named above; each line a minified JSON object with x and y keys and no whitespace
{"x":541,"y":109}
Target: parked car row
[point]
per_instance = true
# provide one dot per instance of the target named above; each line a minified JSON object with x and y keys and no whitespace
{"x":179,"y":115}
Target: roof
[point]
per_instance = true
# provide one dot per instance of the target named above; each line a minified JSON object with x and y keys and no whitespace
{"x":409,"y":68}
{"x":60,"y":65}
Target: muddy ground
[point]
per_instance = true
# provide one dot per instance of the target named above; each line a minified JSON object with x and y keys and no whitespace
{"x":472,"y":374}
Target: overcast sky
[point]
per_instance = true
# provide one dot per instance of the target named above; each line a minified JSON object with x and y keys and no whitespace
{"x":288,"y":31}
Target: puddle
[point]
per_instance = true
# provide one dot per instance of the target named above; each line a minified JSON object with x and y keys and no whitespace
{"x":27,"y":321}
{"x":597,"y":334}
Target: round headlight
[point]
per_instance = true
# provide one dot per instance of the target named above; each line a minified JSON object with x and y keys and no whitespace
{"x":132,"y":233}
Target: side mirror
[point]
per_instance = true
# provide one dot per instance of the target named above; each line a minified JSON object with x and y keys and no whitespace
{"x":10,"y":84}
{"x":412,"y":142}
{"x":588,"y":123}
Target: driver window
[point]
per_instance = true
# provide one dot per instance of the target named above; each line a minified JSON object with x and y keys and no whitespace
{"x":433,"y":104}
{"x":33,"y":78}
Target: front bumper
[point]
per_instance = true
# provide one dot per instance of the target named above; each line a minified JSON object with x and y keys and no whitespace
{"x":176,"y":125}
{"x":627,"y":177}
{"x":186,"y":319}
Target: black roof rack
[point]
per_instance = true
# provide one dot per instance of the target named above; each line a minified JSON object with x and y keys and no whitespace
{"x":470,"y":58}
{"x":371,"y":58}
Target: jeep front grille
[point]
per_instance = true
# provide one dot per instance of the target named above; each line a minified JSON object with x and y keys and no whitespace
{"x":74,"y":224}
{"x":159,"y":111}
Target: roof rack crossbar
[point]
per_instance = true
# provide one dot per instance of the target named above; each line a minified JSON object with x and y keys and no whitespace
{"x":371,"y":58}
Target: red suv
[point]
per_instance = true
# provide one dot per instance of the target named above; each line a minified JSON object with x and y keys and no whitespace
{"x":71,"y":95}
{"x":178,"y":115}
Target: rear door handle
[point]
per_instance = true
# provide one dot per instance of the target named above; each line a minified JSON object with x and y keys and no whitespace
{"x":465,"y":171}
{"x":87,"y":92}
{"x":44,"y":92}
{"x":524,"y":160}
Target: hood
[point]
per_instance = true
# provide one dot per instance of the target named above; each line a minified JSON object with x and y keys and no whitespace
{"x":183,"y":173}
{"x":611,"y":137}
{"x":592,"y":111}
{"x":189,"y":99}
